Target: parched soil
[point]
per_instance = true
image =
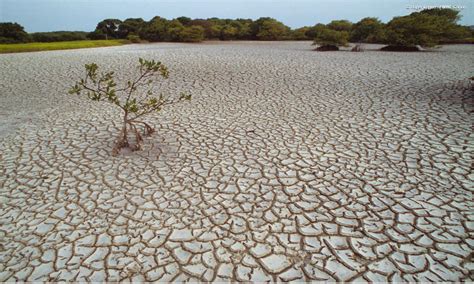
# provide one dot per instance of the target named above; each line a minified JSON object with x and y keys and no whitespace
{"x":288,"y":164}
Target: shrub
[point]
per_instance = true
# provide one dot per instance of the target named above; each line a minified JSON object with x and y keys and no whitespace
{"x":155,"y":29}
{"x":13,"y":33}
{"x":96,"y":35}
{"x":136,"y":98}
{"x":340,"y":25}
{"x":329,"y":37}
{"x":300,"y":34}
{"x":426,"y":28}
{"x":109,"y":27}
{"x":130,"y":26}
{"x":313,"y":31}
{"x":192,"y":34}
{"x":133,"y":38}
{"x":58,"y":36}
{"x":370,"y":30}
{"x":269,"y":29}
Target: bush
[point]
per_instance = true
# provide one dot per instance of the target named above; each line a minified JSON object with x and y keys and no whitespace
{"x":270,"y":29}
{"x":426,"y":28}
{"x":109,"y":27}
{"x":58,"y":36}
{"x":329,"y":37}
{"x":192,"y":34}
{"x":300,"y":34}
{"x":155,"y":29}
{"x":136,"y":98}
{"x":130,"y":26}
{"x":96,"y":35}
{"x":313,"y":31}
{"x":340,"y":25}
{"x":369,"y":30}
{"x":133,"y":38}
{"x":13,"y":33}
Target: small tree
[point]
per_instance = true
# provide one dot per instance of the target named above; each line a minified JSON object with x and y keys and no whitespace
{"x":13,"y":33}
{"x":229,"y":32}
{"x":130,"y":26}
{"x":133,"y":38}
{"x":427,"y":28}
{"x":329,"y":39}
{"x":192,"y":34}
{"x":368,"y":30}
{"x":136,"y":99}
{"x":300,"y":34}
{"x":269,"y":29}
{"x":340,"y":25}
{"x":108,"y":27}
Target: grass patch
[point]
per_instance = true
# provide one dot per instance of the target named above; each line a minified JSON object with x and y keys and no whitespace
{"x":41,"y":46}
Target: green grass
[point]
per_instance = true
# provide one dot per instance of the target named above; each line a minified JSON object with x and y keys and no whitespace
{"x":41,"y":46}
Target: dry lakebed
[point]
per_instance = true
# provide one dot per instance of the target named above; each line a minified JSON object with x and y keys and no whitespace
{"x":287,"y":164}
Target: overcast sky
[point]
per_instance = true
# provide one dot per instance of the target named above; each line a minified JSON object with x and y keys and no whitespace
{"x":83,"y":15}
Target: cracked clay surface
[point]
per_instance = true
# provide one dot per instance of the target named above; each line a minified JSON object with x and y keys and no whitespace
{"x":287,"y":164}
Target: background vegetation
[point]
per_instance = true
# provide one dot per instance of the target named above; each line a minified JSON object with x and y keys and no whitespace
{"x":58,"y":36}
{"x":426,"y":28}
{"x":40,"y":46}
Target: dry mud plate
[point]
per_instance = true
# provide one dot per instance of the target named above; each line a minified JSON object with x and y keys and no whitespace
{"x":288,"y":164}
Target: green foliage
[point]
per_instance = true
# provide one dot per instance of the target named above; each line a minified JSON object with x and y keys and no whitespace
{"x":136,"y":98}
{"x":244,"y":28}
{"x":340,"y":25}
{"x":229,"y":32}
{"x":96,"y":35}
{"x":130,"y":26}
{"x":192,"y":34}
{"x":300,"y":34}
{"x":155,"y":30}
{"x":269,"y":29}
{"x":133,"y":38}
{"x":369,"y":30}
{"x":331,"y":37}
{"x":451,"y":31}
{"x":426,"y":28}
{"x":209,"y":29}
{"x":312,"y":32}
{"x":224,"y":29}
{"x":13,"y":33}
{"x":109,"y":27}
{"x":185,"y":21}
{"x":160,"y":29}
{"x":58,"y":36}
{"x":450,"y":14}
{"x":173,"y":30}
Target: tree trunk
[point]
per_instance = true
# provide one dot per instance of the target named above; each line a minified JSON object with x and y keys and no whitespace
{"x":122,"y":139}
{"x":124,"y":128}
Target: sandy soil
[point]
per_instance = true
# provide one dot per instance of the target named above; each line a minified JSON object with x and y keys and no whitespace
{"x":287,"y":165}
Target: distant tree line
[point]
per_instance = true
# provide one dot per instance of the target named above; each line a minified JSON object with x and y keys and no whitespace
{"x":426,"y":28}
{"x":14,"y":33}
{"x":184,"y":29}
{"x":58,"y":36}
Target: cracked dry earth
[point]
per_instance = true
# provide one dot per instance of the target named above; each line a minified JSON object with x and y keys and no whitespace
{"x":288,"y":164}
